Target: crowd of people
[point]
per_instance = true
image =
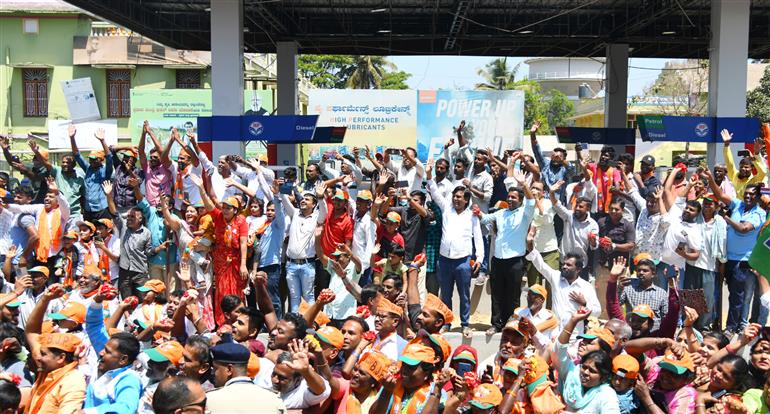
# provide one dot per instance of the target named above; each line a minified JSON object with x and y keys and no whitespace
{"x":135,"y":283}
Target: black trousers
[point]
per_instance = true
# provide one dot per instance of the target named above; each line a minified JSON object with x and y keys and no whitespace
{"x":129,"y":281}
{"x":431,"y":283}
{"x":505,"y":280}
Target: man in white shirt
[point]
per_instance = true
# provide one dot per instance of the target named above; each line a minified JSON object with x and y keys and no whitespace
{"x":410,"y":169}
{"x":580,"y":230}
{"x":444,"y":183}
{"x":545,"y":236}
{"x":219,"y":175}
{"x":568,"y":290}
{"x":364,"y":233}
{"x":461,"y":235}
{"x":481,"y":184}
{"x":300,"y":251}
{"x":683,"y":239}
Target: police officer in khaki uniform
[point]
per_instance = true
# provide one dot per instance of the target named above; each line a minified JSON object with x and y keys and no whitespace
{"x":236,"y":393}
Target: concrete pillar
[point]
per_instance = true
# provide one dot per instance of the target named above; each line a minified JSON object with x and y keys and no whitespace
{"x":728,"y":63}
{"x":616,"y":89}
{"x":288,"y":82}
{"x":227,"y":67}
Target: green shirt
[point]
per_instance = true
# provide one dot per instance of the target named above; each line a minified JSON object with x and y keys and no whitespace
{"x":71,"y":187}
{"x":754,"y":401}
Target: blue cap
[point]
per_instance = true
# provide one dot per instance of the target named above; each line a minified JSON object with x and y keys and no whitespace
{"x":230,"y":353}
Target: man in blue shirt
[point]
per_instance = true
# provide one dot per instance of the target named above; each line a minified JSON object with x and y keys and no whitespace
{"x":744,"y":222}
{"x":118,"y":387}
{"x":508,"y":265}
{"x":97,"y":170}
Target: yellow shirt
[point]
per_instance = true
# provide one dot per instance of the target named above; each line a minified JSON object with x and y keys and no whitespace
{"x":739,"y":184}
{"x":206,"y":223}
{"x":61,"y":391}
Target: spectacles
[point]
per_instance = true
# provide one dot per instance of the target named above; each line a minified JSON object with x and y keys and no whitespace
{"x":200,"y":404}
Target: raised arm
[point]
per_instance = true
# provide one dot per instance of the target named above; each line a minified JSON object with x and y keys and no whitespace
{"x":264,"y":302}
{"x":368,"y":154}
{"x":539,"y":158}
{"x":207,"y":203}
{"x":38,"y":156}
{"x":715,"y":188}
{"x":143,"y":144}
{"x":165,"y":156}
{"x":107,"y":188}
{"x":728,"y":155}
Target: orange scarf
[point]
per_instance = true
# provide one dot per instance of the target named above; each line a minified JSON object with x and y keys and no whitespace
{"x":104,"y":266}
{"x":40,"y":388}
{"x":603,"y":183}
{"x":49,"y":238}
{"x":67,"y":272}
{"x":179,"y":185}
{"x":418,"y":399}
{"x":231,"y":238}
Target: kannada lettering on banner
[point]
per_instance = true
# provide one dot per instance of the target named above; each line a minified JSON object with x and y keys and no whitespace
{"x":180,"y":108}
{"x":372,"y":117}
{"x":494,"y":119}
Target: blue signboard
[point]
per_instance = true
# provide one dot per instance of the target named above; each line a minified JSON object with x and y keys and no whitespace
{"x":605,"y":136}
{"x":697,"y":128}
{"x":277,"y":129}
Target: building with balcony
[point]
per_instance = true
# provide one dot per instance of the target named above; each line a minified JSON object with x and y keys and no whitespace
{"x":577,"y":78}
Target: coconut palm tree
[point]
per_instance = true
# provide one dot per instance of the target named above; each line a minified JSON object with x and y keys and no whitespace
{"x":367,"y":72}
{"x":497,"y":75}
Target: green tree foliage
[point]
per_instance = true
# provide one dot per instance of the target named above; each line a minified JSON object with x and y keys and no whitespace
{"x":758,"y":100}
{"x":353,"y":72}
{"x":551,"y":108}
{"x":325,"y":71}
{"x":395,"y":80}
{"x":497,"y":75}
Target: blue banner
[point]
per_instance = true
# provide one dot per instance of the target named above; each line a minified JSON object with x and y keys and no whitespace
{"x":277,"y":129}
{"x":605,"y":136}
{"x":697,"y":128}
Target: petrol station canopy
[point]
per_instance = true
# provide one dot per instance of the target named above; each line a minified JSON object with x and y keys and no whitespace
{"x":651,"y":28}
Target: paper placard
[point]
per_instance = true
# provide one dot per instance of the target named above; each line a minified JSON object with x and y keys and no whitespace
{"x":58,"y":138}
{"x":81,"y":100}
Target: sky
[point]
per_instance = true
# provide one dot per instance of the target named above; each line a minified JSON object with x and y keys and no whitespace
{"x":459,"y":72}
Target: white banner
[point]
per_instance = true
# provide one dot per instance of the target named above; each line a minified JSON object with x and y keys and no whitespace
{"x":81,"y":101}
{"x":373,"y":117}
{"x":58,"y":138}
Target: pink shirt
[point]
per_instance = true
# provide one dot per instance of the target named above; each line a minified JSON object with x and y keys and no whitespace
{"x":159,"y":180}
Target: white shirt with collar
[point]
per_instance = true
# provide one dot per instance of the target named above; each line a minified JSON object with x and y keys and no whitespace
{"x":221,"y":190}
{"x":364,"y":239}
{"x":460,"y":231}
{"x":482,"y":182}
{"x":563,"y":306}
{"x":412,"y":175}
{"x":302,"y":229}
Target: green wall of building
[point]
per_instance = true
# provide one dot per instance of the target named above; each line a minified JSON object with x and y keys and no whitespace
{"x":52,"y":48}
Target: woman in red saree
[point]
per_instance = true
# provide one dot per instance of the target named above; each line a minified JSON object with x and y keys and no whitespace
{"x":229,"y":251}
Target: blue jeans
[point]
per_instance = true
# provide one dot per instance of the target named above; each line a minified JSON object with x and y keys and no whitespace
{"x":740,"y":284}
{"x":300,"y":279}
{"x":456,"y":272}
{"x":273,"y":282}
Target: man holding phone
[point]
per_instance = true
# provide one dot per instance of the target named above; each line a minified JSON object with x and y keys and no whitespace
{"x":410,"y":169}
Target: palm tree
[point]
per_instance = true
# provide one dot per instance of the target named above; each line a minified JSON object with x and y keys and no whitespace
{"x":497,"y":75}
{"x":367,"y":72}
